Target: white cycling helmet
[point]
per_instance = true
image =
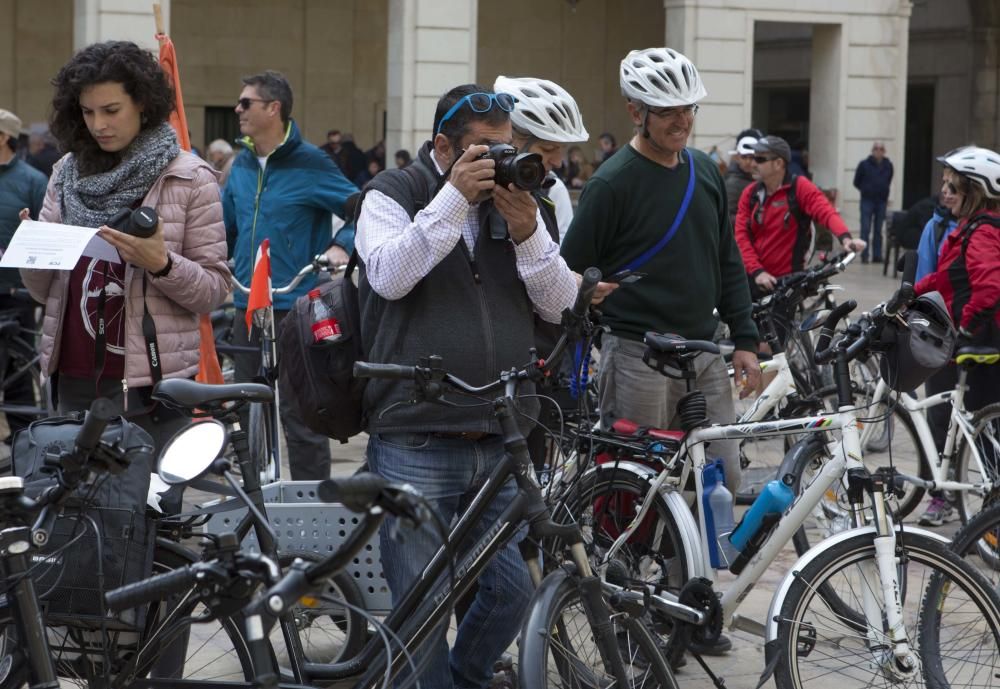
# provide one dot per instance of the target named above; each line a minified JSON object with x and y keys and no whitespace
{"x":660,"y":77}
{"x":544,"y":109}
{"x":980,"y":165}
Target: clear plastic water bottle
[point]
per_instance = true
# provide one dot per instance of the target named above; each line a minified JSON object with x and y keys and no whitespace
{"x":717,"y":501}
{"x":325,"y":327}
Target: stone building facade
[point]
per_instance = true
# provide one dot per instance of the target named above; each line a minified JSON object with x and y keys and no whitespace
{"x":922,"y":75}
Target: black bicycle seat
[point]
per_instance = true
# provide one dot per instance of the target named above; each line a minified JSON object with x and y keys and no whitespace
{"x":664,"y":343}
{"x":972,"y":355}
{"x":184,"y":394}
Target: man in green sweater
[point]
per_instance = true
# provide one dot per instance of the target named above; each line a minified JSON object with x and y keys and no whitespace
{"x":626,"y":208}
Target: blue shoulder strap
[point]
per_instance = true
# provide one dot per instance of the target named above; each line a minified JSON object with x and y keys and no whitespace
{"x":656,"y":248}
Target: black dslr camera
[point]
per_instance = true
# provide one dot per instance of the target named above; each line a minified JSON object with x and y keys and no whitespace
{"x":138,"y":223}
{"x":523,"y":170}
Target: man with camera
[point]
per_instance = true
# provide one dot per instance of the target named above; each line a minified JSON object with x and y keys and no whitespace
{"x":660,"y":208}
{"x":450,"y":241}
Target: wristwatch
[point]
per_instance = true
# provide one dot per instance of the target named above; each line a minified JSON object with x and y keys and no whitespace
{"x":166,"y":269}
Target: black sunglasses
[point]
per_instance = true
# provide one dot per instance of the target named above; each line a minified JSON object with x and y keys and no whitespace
{"x":760,"y":160}
{"x":245,"y":102}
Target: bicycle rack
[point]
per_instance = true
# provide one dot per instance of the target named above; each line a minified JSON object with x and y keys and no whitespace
{"x":302,"y":522}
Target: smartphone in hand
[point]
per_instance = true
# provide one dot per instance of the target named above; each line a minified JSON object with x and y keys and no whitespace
{"x":625,"y":277}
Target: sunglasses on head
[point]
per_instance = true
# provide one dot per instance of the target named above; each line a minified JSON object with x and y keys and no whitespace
{"x":480,"y":102}
{"x":245,"y":102}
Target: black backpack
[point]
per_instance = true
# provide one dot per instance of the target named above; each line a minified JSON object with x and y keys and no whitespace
{"x":757,"y":198}
{"x":317,"y":378}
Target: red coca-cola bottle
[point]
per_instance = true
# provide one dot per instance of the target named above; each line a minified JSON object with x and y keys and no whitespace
{"x":325,"y":327}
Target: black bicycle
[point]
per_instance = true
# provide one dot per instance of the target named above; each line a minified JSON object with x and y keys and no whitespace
{"x":27,"y":525}
{"x":578,"y":632}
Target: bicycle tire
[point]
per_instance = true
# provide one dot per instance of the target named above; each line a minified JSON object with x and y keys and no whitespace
{"x":943,"y":586}
{"x":343,"y":632}
{"x":552,"y":656}
{"x":22,"y":356}
{"x":986,"y":423}
{"x":197,"y":662}
{"x":139,"y":660}
{"x":979,"y":540}
{"x":603,"y":503}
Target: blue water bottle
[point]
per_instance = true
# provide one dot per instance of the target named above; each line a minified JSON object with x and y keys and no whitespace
{"x":763,"y":514}
{"x":717,"y":501}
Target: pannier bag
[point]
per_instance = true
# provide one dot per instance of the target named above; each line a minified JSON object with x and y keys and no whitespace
{"x":317,"y":378}
{"x":102,"y":540}
{"x":913,"y":354}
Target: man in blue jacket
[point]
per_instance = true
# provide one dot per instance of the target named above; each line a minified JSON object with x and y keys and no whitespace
{"x":284,"y":189}
{"x":873,"y":178}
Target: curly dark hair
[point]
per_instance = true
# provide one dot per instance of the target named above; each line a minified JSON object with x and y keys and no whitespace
{"x":120,"y":62}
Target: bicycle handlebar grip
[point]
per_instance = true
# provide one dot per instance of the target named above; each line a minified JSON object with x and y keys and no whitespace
{"x":588,"y":285}
{"x":357,"y":493}
{"x":153,"y":589}
{"x":101,"y":411}
{"x":899,"y":299}
{"x":823,"y":351}
{"x":909,"y":261}
{"x":364,"y":369}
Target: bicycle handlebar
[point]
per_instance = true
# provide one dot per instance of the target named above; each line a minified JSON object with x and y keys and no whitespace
{"x":319,"y":264}
{"x":158,"y":587}
{"x":824,"y":352}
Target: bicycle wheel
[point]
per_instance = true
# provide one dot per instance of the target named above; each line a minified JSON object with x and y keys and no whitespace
{"x":558,"y":647}
{"x":215,"y":650}
{"x":327,"y":630}
{"x":604,"y":503}
{"x":951,"y":619}
{"x":978,"y":542}
{"x":905,"y":451}
{"x":170,"y":647}
{"x":986,"y":441}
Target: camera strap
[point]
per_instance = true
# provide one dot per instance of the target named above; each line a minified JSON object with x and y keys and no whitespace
{"x":101,"y":335}
{"x":640,"y":260}
{"x":149,"y":334}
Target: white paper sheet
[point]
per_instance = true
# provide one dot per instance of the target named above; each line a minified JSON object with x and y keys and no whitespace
{"x":52,"y":246}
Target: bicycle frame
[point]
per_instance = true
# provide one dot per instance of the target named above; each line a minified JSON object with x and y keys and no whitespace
{"x":959,"y":421}
{"x":848,"y":456}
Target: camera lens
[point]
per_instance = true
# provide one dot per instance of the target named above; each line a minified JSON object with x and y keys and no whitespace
{"x":528,"y":171}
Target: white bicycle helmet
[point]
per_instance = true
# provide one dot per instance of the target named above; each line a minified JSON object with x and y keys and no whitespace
{"x":660,"y":77}
{"x":544,"y":109}
{"x":980,"y":165}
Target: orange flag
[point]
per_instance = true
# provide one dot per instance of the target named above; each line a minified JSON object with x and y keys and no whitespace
{"x":208,"y":369}
{"x":260,"y":283}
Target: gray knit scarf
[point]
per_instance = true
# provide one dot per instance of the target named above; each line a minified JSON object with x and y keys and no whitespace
{"x":90,"y":201}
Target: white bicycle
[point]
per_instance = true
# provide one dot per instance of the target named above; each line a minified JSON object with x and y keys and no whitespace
{"x":870,"y":604}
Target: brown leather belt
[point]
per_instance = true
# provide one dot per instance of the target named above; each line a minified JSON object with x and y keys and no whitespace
{"x":463,"y":435}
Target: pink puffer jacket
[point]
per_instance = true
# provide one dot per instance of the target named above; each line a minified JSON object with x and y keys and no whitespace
{"x":187,"y":199}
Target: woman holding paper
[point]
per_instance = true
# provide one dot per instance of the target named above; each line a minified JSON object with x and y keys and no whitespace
{"x":111,"y":106}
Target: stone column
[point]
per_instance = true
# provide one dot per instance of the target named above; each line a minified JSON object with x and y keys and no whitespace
{"x":432,"y":48}
{"x":118,"y":20}
{"x":719,"y":41}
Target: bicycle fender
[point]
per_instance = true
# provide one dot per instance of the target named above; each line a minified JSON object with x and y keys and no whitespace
{"x":676,"y":504}
{"x":778,"y":600}
{"x":534,"y":626}
{"x":815,"y":441}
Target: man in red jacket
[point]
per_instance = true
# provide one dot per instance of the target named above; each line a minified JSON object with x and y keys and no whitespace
{"x":773,"y":232}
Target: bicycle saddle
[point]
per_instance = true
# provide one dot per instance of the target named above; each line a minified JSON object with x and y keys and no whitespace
{"x":184,"y":394}
{"x":967,"y":356}
{"x":664,"y":343}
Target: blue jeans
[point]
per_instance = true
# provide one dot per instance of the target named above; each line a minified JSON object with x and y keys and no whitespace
{"x":872,"y":211}
{"x":449,"y":472}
